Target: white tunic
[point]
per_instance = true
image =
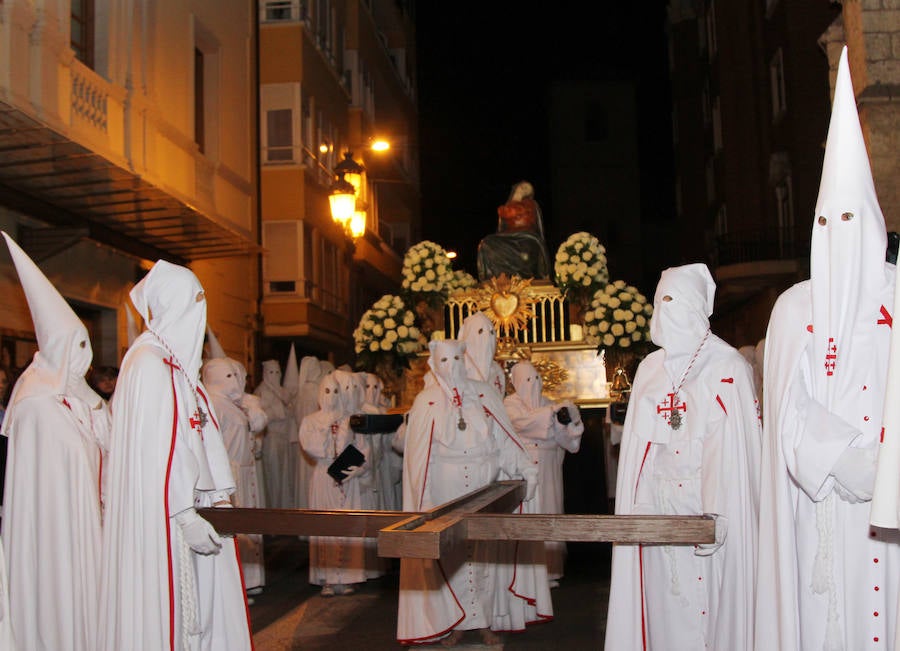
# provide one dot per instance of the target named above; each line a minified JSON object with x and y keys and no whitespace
{"x":332,"y":560}
{"x":442,"y":462}
{"x":681,"y":597}
{"x":546,"y":441}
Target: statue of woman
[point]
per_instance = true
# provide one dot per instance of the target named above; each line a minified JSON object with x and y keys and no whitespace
{"x":518,"y":247}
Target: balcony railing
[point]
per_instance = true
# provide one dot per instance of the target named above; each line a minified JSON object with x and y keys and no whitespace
{"x":760,"y":244}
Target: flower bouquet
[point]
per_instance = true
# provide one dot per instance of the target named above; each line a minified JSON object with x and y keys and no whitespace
{"x":387,"y":334}
{"x":462,"y":280}
{"x":580,"y":269}
{"x":427,"y":274}
{"x":618,"y":321}
{"x":427,"y":282}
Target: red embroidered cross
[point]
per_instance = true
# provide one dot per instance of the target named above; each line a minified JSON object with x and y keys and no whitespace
{"x":668,"y":405}
{"x":196,"y":423}
{"x":66,"y":403}
{"x":886,"y":318}
{"x":830,"y":357}
{"x":457,"y":399}
{"x":171,"y":362}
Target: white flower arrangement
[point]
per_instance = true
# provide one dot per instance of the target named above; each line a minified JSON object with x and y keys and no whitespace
{"x":426,"y":270}
{"x":619,"y":316}
{"x":387,"y":328}
{"x":462,"y":280}
{"x":580,"y":264}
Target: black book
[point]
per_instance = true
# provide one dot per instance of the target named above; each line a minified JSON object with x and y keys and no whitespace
{"x":351,"y":456}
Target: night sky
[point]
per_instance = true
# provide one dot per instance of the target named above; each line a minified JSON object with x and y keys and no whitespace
{"x":484,"y":79}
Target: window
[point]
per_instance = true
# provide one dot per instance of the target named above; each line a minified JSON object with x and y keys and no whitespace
{"x":281,"y":262}
{"x":711,"y":37}
{"x":206,"y":90}
{"x":81,"y":25}
{"x":331,"y":278}
{"x":710,"y":181}
{"x":279,"y":123}
{"x":279,"y":135}
{"x":199,"y":109}
{"x":280,"y":11}
{"x":776,"y":76}
{"x":784,"y":206}
{"x":717,"y":125}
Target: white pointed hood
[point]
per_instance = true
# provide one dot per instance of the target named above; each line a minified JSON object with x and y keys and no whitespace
{"x":291,"y":381}
{"x":331,"y":403}
{"x":132,"y":330}
{"x":478,"y":333}
{"x":310,"y":370}
{"x":682,"y":306}
{"x":847,"y":256}
{"x":220,"y":376}
{"x":172,"y":303}
{"x":215,"y":348}
{"x":64,"y":348}
{"x":527,"y":383}
{"x":447,"y":362}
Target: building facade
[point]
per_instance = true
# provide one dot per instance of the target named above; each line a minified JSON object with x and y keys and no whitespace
{"x":750,"y":116}
{"x":124,"y":139}
{"x":334,"y":78}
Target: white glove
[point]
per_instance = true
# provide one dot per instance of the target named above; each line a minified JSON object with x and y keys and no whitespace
{"x":352,"y":471}
{"x":707,"y":549}
{"x":198,"y":533}
{"x":854,"y":474}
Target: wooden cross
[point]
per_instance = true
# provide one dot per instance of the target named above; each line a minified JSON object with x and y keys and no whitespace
{"x":484,"y":514}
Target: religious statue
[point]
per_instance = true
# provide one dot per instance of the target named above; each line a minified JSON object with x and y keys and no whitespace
{"x":518,"y":247}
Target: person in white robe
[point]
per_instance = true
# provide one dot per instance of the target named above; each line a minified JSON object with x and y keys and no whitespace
{"x":306,"y":402}
{"x":168,"y":580}
{"x":280,"y":466}
{"x":480,"y":337}
{"x":335,"y":563}
{"x":58,"y":431}
{"x":222,"y":378}
{"x":458,"y":439}
{"x":390,"y":467}
{"x":7,"y":641}
{"x":690,"y":446}
{"x":547,"y":439}
{"x":827,"y":579}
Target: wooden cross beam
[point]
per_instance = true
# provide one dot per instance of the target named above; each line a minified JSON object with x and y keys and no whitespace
{"x":484,"y":514}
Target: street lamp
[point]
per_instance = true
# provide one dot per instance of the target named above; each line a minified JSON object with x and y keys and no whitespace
{"x":343,"y":196}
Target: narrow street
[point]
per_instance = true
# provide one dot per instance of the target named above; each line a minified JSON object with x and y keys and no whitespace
{"x":290,"y":614}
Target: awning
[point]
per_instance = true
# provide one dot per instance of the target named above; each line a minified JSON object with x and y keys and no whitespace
{"x":47,"y":176}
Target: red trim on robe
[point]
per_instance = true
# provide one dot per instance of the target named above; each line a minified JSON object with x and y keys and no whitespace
{"x":531,"y":601}
{"x":427,"y":463}
{"x":728,"y":380}
{"x":430,"y":639}
{"x":721,"y":404}
{"x":886,"y":318}
{"x":237,"y":556}
{"x":171,"y":363}
{"x":641,"y":559}
{"x":208,"y":408}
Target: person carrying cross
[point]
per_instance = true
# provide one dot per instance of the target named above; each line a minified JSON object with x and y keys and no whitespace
{"x":690,"y":446}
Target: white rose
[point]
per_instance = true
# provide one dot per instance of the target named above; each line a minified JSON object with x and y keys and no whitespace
{"x":408,"y":319}
{"x":636,"y":307}
{"x":624,"y":342}
{"x":627,"y":315}
{"x":390,"y":324}
{"x":614,"y":302}
{"x":391,"y":336}
{"x":430,"y":275}
{"x":636,"y":336}
{"x":603,"y":326}
{"x":630,"y":327}
{"x":403,"y":331}
{"x":608,"y":340}
{"x":392,"y":312}
{"x":385,"y":344}
{"x":617,"y":329}
{"x":626,"y":297}
{"x":373,"y":346}
{"x":587,"y":255}
{"x":619,"y":284}
{"x":640,"y":320}
{"x":377,"y":330}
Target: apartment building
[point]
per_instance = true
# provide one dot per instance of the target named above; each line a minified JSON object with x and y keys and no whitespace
{"x":126,"y":136}
{"x":335,"y":78}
